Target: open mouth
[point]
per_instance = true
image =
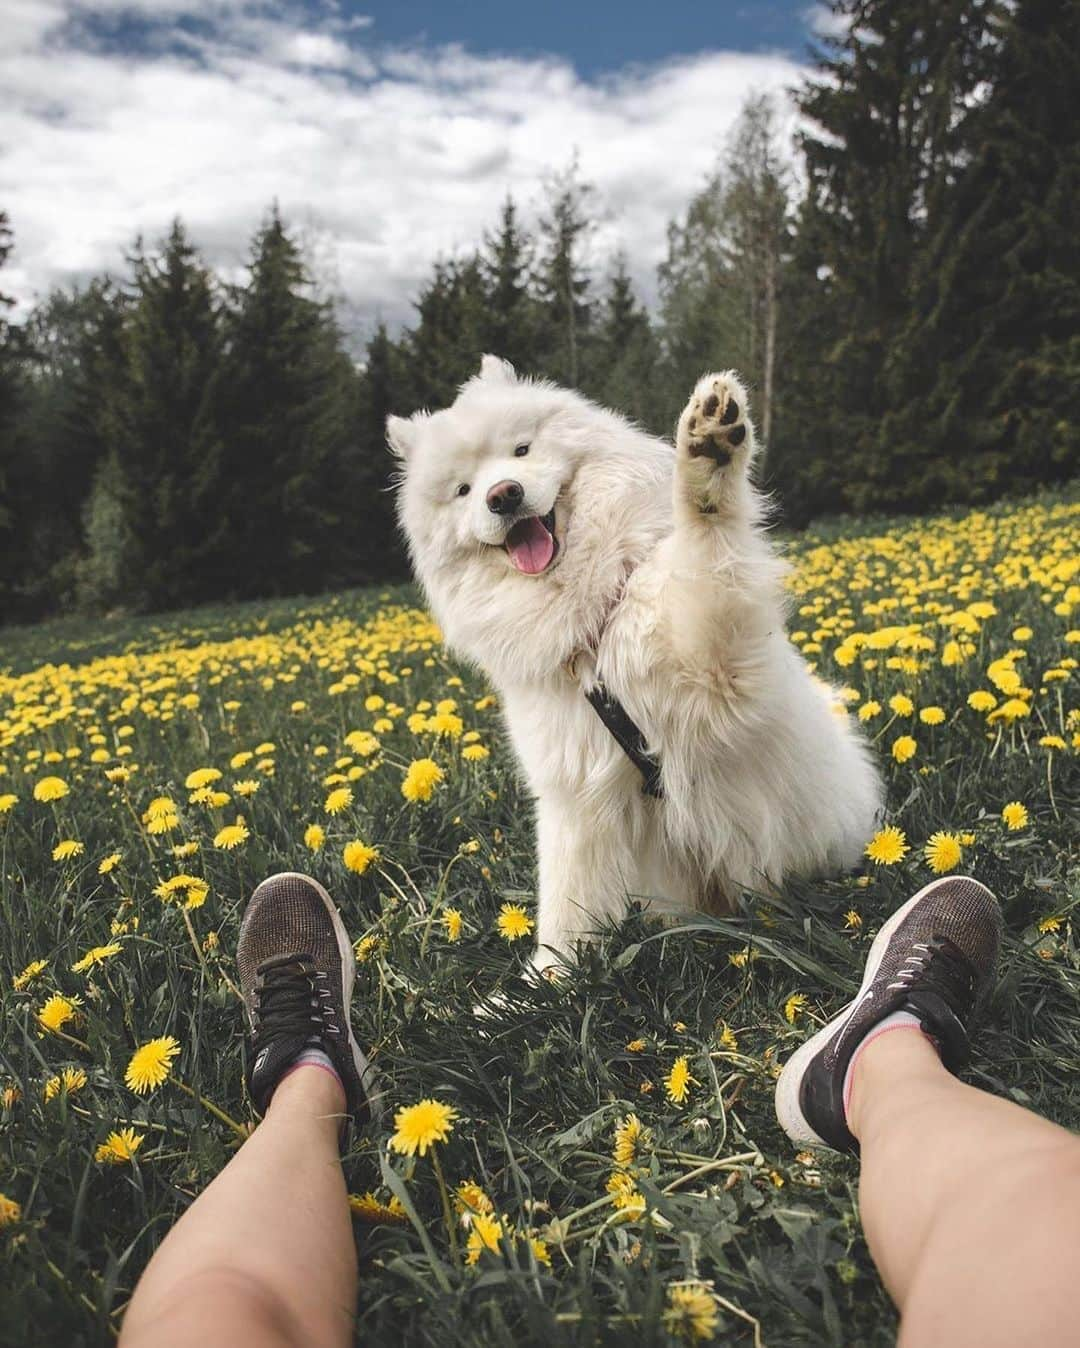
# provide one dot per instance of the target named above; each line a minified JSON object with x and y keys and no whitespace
{"x":531,"y":544}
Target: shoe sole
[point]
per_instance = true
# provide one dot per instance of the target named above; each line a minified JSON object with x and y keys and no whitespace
{"x":788,"y":1109}
{"x":364,"y":1070}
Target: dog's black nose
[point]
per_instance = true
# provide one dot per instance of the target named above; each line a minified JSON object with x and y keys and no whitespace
{"x":505,"y":497}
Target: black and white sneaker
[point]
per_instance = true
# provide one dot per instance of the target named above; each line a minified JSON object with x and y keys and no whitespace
{"x":297,"y":968}
{"x":934,"y":958}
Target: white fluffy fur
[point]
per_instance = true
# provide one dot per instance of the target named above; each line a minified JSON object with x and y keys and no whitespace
{"x":666,"y":587}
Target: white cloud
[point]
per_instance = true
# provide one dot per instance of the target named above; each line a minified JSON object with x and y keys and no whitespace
{"x":385,"y":157}
{"x":821,"y":20}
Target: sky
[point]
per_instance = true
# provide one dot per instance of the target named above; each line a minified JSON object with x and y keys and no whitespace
{"x":389,"y":134}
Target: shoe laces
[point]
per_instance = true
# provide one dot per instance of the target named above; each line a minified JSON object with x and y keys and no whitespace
{"x":292,"y":998}
{"x":938,"y":965}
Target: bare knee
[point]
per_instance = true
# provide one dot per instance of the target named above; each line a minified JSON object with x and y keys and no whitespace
{"x":216,"y":1305}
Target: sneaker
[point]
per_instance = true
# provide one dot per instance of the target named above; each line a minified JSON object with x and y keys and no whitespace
{"x":296,"y":968}
{"x":934,"y":958}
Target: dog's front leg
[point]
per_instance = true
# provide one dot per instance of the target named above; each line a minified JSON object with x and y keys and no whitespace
{"x":720,"y":579}
{"x":583,"y":876}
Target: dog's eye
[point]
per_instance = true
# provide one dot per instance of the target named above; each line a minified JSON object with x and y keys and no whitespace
{"x":463,"y":490}
{"x":521,"y":451}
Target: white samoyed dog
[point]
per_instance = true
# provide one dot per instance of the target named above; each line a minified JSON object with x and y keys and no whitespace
{"x":565,"y":551}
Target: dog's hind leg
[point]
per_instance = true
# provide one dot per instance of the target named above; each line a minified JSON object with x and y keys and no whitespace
{"x":583,"y":877}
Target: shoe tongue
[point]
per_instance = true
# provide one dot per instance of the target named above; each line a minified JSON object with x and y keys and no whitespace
{"x":530,"y":546}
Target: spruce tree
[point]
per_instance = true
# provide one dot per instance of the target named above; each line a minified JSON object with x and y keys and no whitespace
{"x":561,"y":279}
{"x":884,"y":145}
{"x":285,"y":412}
{"x":509,"y":329}
{"x":994,"y":334}
{"x":166,"y":448}
{"x":625,"y":352}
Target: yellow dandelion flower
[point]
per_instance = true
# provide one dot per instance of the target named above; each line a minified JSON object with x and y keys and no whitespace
{"x":1049,"y":924}
{"x":314,"y":837}
{"x":470,"y":1199}
{"x":631,"y":1139}
{"x":853,"y":919}
{"x":422,"y":778}
{"x":241,"y":760}
{"x":32,"y":970}
{"x":8,"y":802}
{"x":903,"y":748}
{"x":794,"y":1004}
{"x":887,"y":846}
{"x":70,"y":1080}
{"x":50,"y":788}
{"x":158,"y":807}
{"x":943,"y":852}
{"x":232,"y":835}
{"x":151,"y":1064}
{"x":10,"y":1211}
{"x":691,"y":1313}
{"x":98,"y":955}
{"x":201,"y":777}
{"x":362,"y":742}
{"x":358,"y":856}
{"x":475,"y":753}
{"x":485,"y":1233}
{"x":56,"y":1012}
{"x":162,"y":823}
{"x":624,"y":1194}
{"x":119,"y":1147}
{"x":678,"y":1081}
{"x":869,"y":710}
{"x":728,"y":1039}
{"x":981,"y":700}
{"x":932,"y":715}
{"x":637,"y":1045}
{"x":63,"y":851}
{"x":366,"y":947}
{"x":368,"y":1209}
{"x":513,"y":922}
{"x":246,"y":788}
{"x":109,"y":864}
{"x":452,"y":921}
{"x":1015,"y":815}
{"x":338,"y":800}
{"x":1052,"y":742}
{"x":901,"y":705}
{"x":419,"y":1126}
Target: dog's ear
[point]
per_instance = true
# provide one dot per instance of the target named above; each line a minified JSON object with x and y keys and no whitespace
{"x":496,"y":370}
{"x":399,"y":435}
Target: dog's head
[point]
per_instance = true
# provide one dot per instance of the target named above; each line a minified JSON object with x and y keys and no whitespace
{"x":483,"y":479}
{"x":509,"y":500}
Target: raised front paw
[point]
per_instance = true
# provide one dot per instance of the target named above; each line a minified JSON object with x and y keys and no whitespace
{"x":714,"y":422}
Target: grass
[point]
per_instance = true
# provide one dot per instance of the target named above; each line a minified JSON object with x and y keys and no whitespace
{"x":541,"y":1086}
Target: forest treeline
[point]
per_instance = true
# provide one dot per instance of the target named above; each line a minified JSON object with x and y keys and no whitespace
{"x":901,"y":287}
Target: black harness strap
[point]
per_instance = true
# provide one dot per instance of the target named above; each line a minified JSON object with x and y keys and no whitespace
{"x":628,"y":737}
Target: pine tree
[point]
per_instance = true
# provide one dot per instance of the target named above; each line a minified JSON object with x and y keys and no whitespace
{"x":884,"y":146}
{"x":166,"y":448}
{"x":285,"y":411}
{"x":625,"y":352}
{"x":378,"y":554}
{"x":510,"y":320}
{"x":12,"y":563}
{"x":445,"y":346}
{"x":561,"y":279}
{"x":994,"y":335}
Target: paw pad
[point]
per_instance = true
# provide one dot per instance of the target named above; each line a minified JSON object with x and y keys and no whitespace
{"x":715,"y":425}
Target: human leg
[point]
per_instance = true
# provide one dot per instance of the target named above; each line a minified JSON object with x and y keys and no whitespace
{"x":970,"y":1204}
{"x":265,"y":1255}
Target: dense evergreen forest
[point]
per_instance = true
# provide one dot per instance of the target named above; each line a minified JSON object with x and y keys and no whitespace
{"x":901,"y":286}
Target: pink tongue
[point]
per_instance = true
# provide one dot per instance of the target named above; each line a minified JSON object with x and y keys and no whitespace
{"x":530,"y":546}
